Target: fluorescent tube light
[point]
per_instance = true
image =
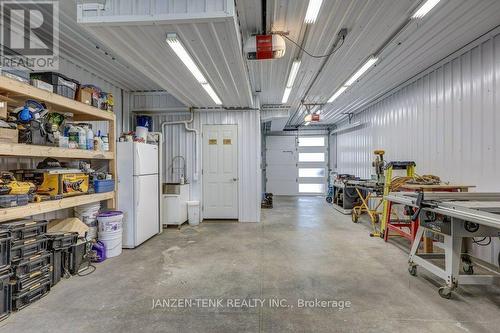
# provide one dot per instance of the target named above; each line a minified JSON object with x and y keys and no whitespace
{"x":312,"y":11}
{"x":290,"y":81}
{"x":337,"y":94}
{"x":293,"y":73}
{"x":208,"y":88}
{"x":186,"y":59}
{"x":369,"y":63}
{"x":425,"y":8}
{"x":286,"y":95}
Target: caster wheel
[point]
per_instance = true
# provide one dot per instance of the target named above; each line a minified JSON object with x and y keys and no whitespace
{"x":354,"y":217}
{"x":412,"y":270}
{"x":468,"y":268}
{"x":329,"y":200}
{"x":445,"y":292}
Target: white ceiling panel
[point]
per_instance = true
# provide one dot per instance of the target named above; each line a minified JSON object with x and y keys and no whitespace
{"x":82,"y":48}
{"x":370,"y":24}
{"x":213,"y":42}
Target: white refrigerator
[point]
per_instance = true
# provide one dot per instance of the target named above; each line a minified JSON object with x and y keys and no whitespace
{"x":138,"y":191}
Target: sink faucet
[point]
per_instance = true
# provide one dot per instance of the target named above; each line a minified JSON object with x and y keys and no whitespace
{"x":182,"y":169}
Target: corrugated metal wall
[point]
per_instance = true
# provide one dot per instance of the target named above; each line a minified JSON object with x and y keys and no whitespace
{"x":84,"y":76}
{"x":180,"y":142}
{"x":447,"y":121}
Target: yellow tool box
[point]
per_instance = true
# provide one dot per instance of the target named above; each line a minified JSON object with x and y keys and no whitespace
{"x":56,"y":182}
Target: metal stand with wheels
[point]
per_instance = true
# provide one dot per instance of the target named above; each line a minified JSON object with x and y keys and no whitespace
{"x":454,"y":216}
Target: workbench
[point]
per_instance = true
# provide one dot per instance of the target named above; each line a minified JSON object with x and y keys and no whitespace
{"x":344,"y":197}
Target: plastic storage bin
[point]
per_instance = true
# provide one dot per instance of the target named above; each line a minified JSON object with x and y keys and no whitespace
{"x":5,"y":294}
{"x":104,"y":185}
{"x":61,"y":240}
{"x":57,"y":265}
{"x":20,"y":285}
{"x":193,"y":212}
{"x":21,"y":300}
{"x":5,"y":245}
{"x":7,"y":201}
{"x":32,"y":264}
{"x":24,"y":229}
{"x":63,"y":85}
{"x":26,"y":248}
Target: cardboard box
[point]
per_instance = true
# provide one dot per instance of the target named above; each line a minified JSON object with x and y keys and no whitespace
{"x":3,"y":110}
{"x":84,"y":95}
{"x":8,"y":135}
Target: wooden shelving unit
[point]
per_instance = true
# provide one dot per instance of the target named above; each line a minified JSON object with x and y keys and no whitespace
{"x":8,"y":214}
{"x":15,"y":93}
{"x":24,"y":150}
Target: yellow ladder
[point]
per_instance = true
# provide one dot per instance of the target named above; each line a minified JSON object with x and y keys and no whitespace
{"x":409,"y":166}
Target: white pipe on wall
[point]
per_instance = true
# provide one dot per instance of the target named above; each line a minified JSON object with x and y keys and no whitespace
{"x":196,"y":136}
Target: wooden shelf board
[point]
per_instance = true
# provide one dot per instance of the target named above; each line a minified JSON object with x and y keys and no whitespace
{"x":25,"y":150}
{"x":16,"y":90}
{"x":8,"y":214}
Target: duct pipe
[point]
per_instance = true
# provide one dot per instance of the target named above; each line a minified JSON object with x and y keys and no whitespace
{"x":188,"y":129}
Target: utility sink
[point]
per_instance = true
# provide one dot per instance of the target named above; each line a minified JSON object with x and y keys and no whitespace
{"x":172,"y":188}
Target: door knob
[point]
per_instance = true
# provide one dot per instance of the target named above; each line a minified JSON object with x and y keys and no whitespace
{"x":235,"y":179}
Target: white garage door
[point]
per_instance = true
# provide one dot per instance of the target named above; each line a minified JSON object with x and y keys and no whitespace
{"x":296,"y":166}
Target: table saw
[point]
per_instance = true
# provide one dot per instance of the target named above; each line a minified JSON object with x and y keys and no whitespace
{"x":455,"y":216}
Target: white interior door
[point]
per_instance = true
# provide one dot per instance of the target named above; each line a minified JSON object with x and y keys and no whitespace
{"x":220,"y":171}
{"x":281,"y":165}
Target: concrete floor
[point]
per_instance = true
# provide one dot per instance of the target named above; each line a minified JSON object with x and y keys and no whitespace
{"x":303,"y":249}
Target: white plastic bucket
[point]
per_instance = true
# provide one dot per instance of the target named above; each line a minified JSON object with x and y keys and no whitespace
{"x":110,"y":221}
{"x":193,"y":212}
{"x":141,"y":132}
{"x":88,"y":215}
{"x":112,"y":240}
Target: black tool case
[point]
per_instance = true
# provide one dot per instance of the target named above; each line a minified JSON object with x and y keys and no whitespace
{"x":58,"y":265}
{"x":24,"y":229}
{"x":25,"y":248}
{"x":77,"y":258}
{"x":61,"y":240}
{"x":20,"y":285}
{"x":5,"y":246}
{"x":37,"y":291}
{"x":5,"y":294}
{"x":32,"y":264}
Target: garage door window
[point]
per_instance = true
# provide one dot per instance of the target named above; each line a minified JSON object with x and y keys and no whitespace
{"x":311,"y":188}
{"x":311,"y":172}
{"x":312,"y":141}
{"x":311,"y":157}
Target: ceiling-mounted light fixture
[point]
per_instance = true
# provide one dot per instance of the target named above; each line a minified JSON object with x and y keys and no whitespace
{"x":424,"y":9}
{"x":176,"y":45}
{"x":291,"y":80}
{"x":367,"y":65}
{"x":337,"y":94}
{"x":312,"y":11}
